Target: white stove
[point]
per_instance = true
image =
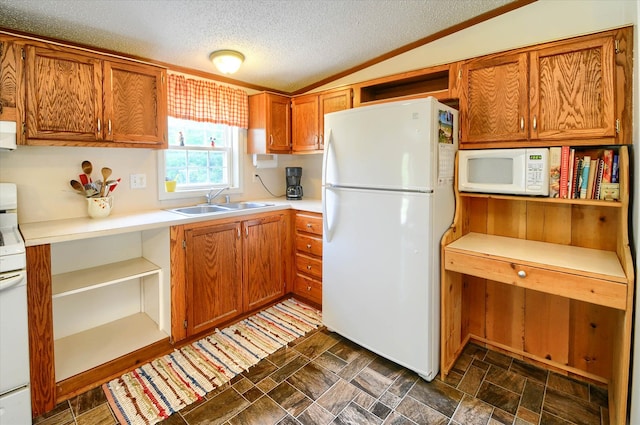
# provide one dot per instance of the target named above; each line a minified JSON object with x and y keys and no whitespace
{"x":15,"y":392}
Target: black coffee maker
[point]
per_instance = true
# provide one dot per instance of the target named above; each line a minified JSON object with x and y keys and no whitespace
{"x":294,"y":190}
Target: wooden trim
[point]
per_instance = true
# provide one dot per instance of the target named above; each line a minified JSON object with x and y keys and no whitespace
{"x":523,"y":354}
{"x":41,"y":345}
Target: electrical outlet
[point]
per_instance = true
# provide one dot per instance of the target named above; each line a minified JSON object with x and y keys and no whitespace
{"x":138,"y":181}
{"x":255,"y":177}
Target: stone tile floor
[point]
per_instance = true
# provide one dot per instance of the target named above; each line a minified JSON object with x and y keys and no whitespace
{"x":326,"y":379}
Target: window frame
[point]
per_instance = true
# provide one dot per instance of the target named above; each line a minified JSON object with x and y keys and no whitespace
{"x":238,"y":141}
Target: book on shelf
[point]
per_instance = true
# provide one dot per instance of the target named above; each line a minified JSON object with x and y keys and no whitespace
{"x":614,"y":169}
{"x":577,"y":178}
{"x":564,"y":171}
{"x":554,"y":171}
{"x":584,"y":181}
{"x":593,"y":169}
{"x":586,"y":173}
{"x":607,"y":157}
{"x":570,"y":175}
{"x":597,"y":184}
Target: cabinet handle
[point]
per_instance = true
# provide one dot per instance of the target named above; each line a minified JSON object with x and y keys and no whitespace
{"x":535,"y":123}
{"x":238,"y":233}
{"x":309,"y":225}
{"x":109,"y":126}
{"x":309,"y":288}
{"x":308,"y":267}
{"x":522,"y":274}
{"x":308,"y":246}
{"x":522,"y":123}
{"x":99,"y":126}
{"x":246,"y":231}
{"x":271,"y":139}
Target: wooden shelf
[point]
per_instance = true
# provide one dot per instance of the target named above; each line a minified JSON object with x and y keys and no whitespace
{"x":64,"y":284}
{"x":593,"y":202}
{"x":85,"y":350}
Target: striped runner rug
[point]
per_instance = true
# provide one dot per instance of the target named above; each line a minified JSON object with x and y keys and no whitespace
{"x":155,"y":390}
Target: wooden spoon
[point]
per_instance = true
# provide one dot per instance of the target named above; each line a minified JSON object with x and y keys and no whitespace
{"x":78,"y":186}
{"x":87,"y":168}
{"x":106,"y":172}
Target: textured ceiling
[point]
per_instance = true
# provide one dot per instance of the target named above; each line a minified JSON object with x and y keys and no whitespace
{"x":288,"y":44}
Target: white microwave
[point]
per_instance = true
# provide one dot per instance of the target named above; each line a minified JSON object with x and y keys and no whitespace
{"x":507,"y":171}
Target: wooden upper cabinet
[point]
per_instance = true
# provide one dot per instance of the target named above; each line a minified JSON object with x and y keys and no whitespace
{"x":11,"y":79}
{"x":135,"y":103}
{"x":304,"y":123}
{"x":81,"y":99}
{"x":495,"y":105}
{"x":64,"y":95}
{"x":308,"y":117}
{"x":572,"y":90}
{"x":269,"y":124}
{"x":333,"y":101}
{"x":558,"y":91}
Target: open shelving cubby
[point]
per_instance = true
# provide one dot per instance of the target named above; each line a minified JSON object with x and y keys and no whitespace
{"x":113,"y":306}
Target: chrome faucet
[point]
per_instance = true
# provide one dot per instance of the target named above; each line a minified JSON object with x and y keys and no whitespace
{"x":211,"y":197}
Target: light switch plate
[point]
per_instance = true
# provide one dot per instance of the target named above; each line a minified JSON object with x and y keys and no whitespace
{"x":138,"y":181}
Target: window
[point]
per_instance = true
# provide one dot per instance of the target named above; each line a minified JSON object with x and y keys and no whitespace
{"x":204,"y":137}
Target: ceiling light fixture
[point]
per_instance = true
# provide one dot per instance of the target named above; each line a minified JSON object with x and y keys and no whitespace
{"x":227,"y":61}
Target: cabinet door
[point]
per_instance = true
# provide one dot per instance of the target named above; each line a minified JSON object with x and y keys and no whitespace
{"x":304,"y":127}
{"x":135,"y":103}
{"x":263,"y":271}
{"x":213,"y":276}
{"x":278,"y":124}
{"x":572,"y":90}
{"x":10,"y":80}
{"x":64,"y":95}
{"x":334,"y":101}
{"x":495,"y":102}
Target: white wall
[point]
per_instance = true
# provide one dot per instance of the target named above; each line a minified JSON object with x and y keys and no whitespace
{"x":43,"y":174}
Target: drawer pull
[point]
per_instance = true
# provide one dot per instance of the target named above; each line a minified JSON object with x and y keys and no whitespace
{"x":309,"y":246}
{"x":522,"y":273}
{"x":309,"y":225}
{"x":308,"y":288}
{"x":308,"y":267}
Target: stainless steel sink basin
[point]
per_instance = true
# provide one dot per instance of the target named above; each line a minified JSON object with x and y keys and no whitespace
{"x":218,"y":208}
{"x":244,"y":205}
{"x":200,"y":209}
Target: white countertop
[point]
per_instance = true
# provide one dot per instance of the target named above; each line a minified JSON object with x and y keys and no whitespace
{"x":47,"y":232}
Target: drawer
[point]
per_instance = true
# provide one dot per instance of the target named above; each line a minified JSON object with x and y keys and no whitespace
{"x":309,"y":245}
{"x":309,"y":223}
{"x":570,"y":285}
{"x":308,"y":288}
{"x":308,"y":265}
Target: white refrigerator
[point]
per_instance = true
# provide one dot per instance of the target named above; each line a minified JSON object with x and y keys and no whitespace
{"x":387,"y":200}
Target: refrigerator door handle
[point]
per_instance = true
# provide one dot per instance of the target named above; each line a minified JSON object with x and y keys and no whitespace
{"x":325,"y":160}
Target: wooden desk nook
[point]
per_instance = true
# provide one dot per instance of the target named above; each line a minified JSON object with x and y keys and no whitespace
{"x":550,"y":280}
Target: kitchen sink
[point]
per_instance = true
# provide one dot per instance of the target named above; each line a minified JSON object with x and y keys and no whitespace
{"x":200,"y":209}
{"x":244,"y":205}
{"x":219,"y":208}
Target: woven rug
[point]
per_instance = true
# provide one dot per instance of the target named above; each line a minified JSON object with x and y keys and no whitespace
{"x":157,"y":389}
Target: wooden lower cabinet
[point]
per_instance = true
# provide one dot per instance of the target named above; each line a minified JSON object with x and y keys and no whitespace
{"x":214,"y":275}
{"x":308,"y":256}
{"x":262,"y":265}
{"x":224,"y":268}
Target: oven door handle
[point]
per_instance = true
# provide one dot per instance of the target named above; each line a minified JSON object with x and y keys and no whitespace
{"x":11,"y":279}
